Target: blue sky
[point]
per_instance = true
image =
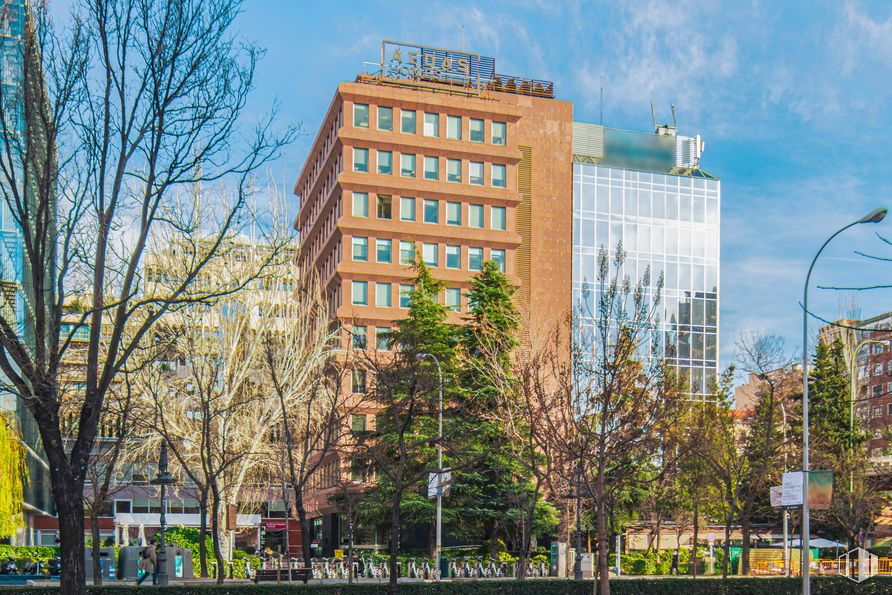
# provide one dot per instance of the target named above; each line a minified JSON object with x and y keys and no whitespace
{"x":792,"y":99}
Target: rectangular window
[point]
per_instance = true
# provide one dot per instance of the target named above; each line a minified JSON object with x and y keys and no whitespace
{"x":431,"y":124}
{"x":361,"y":160}
{"x":361,"y":115}
{"x":358,"y":337}
{"x":385,"y":162}
{"x":476,"y":130}
{"x":407,"y":208}
{"x":498,"y":257}
{"x":407,"y":253}
{"x":889,"y":408}
{"x":453,"y":213}
{"x":431,"y":168}
{"x":429,"y":254}
{"x":453,"y":170}
{"x":499,"y":133}
{"x":382,"y":295}
{"x":475,"y":259}
{"x":453,"y":299}
{"x":499,"y":175}
{"x":407,"y":165}
{"x":360,"y":293}
{"x":360,"y":204}
{"x":383,"y":338}
{"x":360,"y":249}
{"x":453,"y":127}
{"x":407,"y":121}
{"x":475,"y":173}
{"x":385,"y":206}
{"x":475,"y":216}
{"x":383,"y":249}
{"x":497,"y":218}
{"x":453,"y":257}
{"x":385,"y":118}
{"x":358,"y":381}
{"x":405,"y":296}
{"x":358,"y":422}
{"x":431,"y":211}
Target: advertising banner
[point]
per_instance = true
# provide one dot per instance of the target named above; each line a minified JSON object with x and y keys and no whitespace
{"x":820,"y":489}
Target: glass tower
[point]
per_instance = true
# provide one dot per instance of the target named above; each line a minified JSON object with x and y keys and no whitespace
{"x":647,"y":191}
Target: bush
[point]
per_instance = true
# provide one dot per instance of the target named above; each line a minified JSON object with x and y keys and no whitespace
{"x":665,"y":586}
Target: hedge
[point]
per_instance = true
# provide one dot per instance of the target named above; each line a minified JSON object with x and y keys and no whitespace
{"x":667,"y":586}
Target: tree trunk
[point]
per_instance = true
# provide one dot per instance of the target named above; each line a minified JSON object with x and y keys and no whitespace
{"x":215,"y":535}
{"x":70,"y":505}
{"x":726,"y":547}
{"x":305,"y":528}
{"x":603,"y":562}
{"x":745,"y":530}
{"x":394,"y":540}
{"x":696,"y":531}
{"x":94,"y":532}
{"x":202,"y":533}
{"x":526,"y":534}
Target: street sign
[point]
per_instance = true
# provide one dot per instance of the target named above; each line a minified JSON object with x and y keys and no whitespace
{"x":777,"y":496}
{"x":792,"y":489}
{"x":711,"y":538}
{"x":432,"y":484}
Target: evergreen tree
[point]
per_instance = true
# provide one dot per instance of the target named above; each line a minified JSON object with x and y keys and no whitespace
{"x":829,"y":402}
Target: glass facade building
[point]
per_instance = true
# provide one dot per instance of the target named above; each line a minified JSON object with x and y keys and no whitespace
{"x":666,"y":220}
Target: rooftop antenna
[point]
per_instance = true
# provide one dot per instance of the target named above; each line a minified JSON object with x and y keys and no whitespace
{"x":653,"y":113}
{"x":674,"y":118}
{"x":602,"y":99}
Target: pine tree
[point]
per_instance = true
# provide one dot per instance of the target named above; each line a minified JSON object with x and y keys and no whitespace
{"x":829,"y":403}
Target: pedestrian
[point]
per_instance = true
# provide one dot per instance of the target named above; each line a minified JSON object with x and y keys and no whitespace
{"x":148,"y":563}
{"x":674,"y":568}
{"x":247,"y":569}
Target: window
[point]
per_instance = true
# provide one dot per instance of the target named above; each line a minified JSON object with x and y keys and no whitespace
{"x":431,"y":168}
{"x":407,"y":121}
{"x":499,"y":175}
{"x":361,"y":249}
{"x":499,"y":132}
{"x":475,"y":173}
{"x":475,"y":216}
{"x":361,"y":115}
{"x":360,"y":293}
{"x":385,"y":206}
{"x":498,"y":257}
{"x":385,"y":162}
{"x":358,"y":337}
{"x":360,"y":204}
{"x":476,"y":130}
{"x":358,"y":383}
{"x":431,"y":124}
{"x":407,"y":208}
{"x":889,"y":408}
{"x":122,"y":506}
{"x":383,"y":338}
{"x":407,"y":165}
{"x":385,"y":118}
{"x":382,"y":295}
{"x":453,"y":213}
{"x":453,"y":257}
{"x":877,"y":348}
{"x":361,"y":160}
{"x":358,"y":422}
{"x":475,"y":259}
{"x":877,"y":369}
{"x":453,"y":299}
{"x":405,"y":296}
{"x":407,"y":253}
{"x":497,"y":218}
{"x":431,"y":211}
{"x":453,"y":170}
{"x":453,"y":127}
{"x":429,"y":254}
{"x":383,"y":250}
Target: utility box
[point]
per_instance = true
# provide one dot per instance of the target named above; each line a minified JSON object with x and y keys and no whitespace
{"x":179,"y":562}
{"x":107,"y":563}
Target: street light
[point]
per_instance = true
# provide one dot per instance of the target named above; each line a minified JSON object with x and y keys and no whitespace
{"x":874,"y":216}
{"x":419,"y":357}
{"x":164,"y":479}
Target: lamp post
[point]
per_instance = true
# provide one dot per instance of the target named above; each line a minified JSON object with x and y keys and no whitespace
{"x":874,"y":216}
{"x":164,"y":479}
{"x":438,"y":545}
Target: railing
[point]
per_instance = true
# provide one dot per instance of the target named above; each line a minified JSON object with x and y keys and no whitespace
{"x":821,"y":567}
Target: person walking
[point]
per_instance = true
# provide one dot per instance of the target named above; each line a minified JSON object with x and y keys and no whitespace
{"x":149,"y":565}
{"x":674,"y":568}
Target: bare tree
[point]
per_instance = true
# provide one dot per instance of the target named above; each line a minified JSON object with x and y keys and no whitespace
{"x":132,"y":100}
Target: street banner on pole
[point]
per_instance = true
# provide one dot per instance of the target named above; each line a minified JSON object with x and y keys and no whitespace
{"x":792,"y":489}
{"x":777,"y":496}
{"x":432,"y":484}
{"x":820,"y":489}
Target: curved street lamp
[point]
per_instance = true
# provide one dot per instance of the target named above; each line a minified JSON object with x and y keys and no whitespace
{"x":874,"y":216}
